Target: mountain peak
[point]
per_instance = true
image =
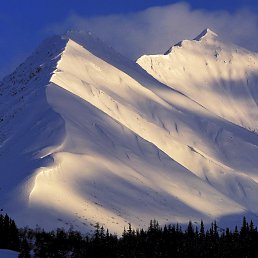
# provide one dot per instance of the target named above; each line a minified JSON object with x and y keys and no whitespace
{"x":206,"y":34}
{"x":79,"y":35}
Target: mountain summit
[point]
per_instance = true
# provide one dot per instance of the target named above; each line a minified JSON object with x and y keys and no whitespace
{"x":89,"y":136}
{"x":206,"y":34}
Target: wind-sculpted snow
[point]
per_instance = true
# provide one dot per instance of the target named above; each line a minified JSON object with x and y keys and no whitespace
{"x":28,"y":124}
{"x":97,"y":139}
{"x":221,"y":77}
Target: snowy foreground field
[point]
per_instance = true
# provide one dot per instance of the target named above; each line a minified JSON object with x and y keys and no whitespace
{"x":88,"y":136}
{"x":8,"y":254}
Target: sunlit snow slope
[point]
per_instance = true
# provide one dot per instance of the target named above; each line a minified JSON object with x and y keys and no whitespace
{"x":88,"y":136}
{"x":221,"y":77}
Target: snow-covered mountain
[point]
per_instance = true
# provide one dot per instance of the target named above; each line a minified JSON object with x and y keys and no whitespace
{"x":220,"y":77}
{"x":89,"y":136}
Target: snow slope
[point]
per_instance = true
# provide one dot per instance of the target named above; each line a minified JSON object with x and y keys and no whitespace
{"x":8,"y":253}
{"x":88,"y":136}
{"x":224,"y":74}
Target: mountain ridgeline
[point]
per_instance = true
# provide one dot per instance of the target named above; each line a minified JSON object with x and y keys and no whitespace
{"x":88,"y":136}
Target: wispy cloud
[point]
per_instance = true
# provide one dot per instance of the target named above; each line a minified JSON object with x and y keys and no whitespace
{"x":155,"y":29}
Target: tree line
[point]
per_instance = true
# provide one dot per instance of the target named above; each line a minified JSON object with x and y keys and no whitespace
{"x":155,"y":241}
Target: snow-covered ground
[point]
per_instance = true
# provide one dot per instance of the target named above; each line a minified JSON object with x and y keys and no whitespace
{"x":88,"y":136}
{"x":8,"y":253}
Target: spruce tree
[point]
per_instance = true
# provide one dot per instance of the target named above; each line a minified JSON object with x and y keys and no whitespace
{"x":24,"y":250}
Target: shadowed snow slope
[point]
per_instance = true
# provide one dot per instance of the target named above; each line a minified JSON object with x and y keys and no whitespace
{"x":88,"y":136}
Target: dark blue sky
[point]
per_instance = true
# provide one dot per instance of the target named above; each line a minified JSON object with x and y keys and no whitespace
{"x":23,"y":24}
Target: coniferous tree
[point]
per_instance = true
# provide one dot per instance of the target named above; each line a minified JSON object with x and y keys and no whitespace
{"x":24,"y":250}
{"x":14,"y":242}
{"x":156,"y":241}
{"x":202,"y":231}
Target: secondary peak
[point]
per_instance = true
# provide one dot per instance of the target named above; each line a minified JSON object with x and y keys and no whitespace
{"x":206,"y":34}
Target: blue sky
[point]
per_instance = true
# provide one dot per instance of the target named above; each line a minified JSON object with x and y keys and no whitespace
{"x":24,"y":24}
